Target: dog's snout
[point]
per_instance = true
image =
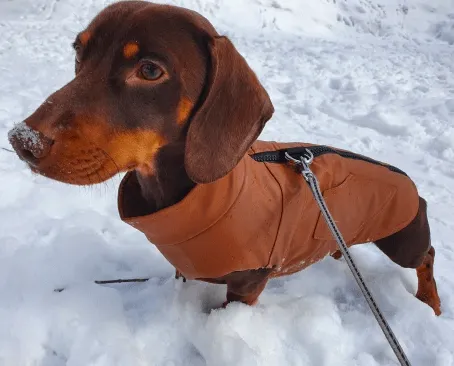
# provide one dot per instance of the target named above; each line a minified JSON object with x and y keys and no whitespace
{"x":29,"y":144}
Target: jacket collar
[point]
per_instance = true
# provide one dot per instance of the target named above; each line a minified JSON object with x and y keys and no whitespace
{"x":197,"y":212}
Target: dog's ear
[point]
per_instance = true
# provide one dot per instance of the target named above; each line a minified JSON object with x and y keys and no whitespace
{"x":230,"y":118}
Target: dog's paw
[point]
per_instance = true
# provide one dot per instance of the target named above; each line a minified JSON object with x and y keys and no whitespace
{"x":179,"y":275}
{"x":432,"y":300}
{"x":225,"y":303}
{"x":337,"y":255}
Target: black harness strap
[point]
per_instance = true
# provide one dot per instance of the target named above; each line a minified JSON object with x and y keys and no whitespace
{"x":278,"y":156}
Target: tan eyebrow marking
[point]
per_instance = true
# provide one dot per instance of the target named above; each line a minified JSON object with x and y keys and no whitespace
{"x":184,"y":109}
{"x":84,"y":37}
{"x":130,"y":50}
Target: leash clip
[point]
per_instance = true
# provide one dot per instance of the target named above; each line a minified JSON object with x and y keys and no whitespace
{"x":304,"y":161}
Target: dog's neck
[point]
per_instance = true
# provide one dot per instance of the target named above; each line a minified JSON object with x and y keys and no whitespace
{"x":169,"y":182}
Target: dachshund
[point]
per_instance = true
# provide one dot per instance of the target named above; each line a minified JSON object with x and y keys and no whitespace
{"x":160,"y":95}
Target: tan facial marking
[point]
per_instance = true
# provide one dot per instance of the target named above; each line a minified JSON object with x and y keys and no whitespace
{"x":136,"y":150}
{"x":146,"y":170}
{"x":130,"y":50}
{"x":93,"y":152}
{"x":84,"y":37}
{"x":184,"y":109}
{"x":128,"y":148}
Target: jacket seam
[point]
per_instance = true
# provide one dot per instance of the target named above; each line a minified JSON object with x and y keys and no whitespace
{"x":269,"y":265}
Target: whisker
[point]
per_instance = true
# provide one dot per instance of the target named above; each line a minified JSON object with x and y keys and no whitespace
{"x":104,"y":180}
{"x":90,"y":184}
{"x":111,"y":159}
{"x":116,"y":179}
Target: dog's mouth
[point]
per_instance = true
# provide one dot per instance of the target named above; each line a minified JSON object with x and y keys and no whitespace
{"x":81,"y":177}
{"x":69,"y":159}
{"x":92,"y":165}
{"x":84,"y":168}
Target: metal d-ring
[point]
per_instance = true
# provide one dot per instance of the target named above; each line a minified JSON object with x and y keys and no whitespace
{"x":304,"y":162}
{"x":307,"y":158}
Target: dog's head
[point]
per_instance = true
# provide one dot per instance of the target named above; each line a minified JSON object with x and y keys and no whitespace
{"x":147,"y":75}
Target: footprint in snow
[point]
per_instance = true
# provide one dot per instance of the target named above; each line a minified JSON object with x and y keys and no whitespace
{"x":441,"y":148}
{"x":335,"y":83}
{"x":303,"y":109}
{"x":377,"y":122}
{"x":342,"y":84}
{"x":285,"y":88}
{"x":421,"y":88}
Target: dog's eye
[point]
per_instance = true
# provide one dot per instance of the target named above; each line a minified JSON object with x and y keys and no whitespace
{"x":151,"y":71}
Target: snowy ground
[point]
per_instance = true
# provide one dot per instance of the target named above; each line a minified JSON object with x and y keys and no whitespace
{"x":374,"y":76}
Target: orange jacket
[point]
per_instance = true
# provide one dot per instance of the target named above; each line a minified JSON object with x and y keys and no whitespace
{"x":264,"y":215}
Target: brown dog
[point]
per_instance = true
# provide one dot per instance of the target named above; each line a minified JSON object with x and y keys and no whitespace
{"x":160,"y":95}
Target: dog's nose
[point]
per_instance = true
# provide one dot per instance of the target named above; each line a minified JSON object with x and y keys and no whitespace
{"x":29,"y":144}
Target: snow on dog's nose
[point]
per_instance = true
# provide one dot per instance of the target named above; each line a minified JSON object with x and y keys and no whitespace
{"x":30,"y":145}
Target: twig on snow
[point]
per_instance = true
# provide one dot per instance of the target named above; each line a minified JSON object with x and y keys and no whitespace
{"x":133,"y":280}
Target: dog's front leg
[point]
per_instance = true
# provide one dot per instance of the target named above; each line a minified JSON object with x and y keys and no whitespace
{"x":246,"y":286}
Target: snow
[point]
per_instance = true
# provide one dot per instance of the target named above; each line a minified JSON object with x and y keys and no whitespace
{"x":26,"y":134}
{"x":376,"y":77}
